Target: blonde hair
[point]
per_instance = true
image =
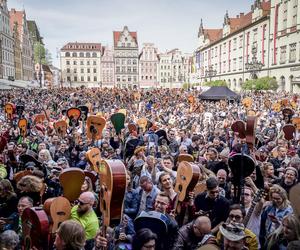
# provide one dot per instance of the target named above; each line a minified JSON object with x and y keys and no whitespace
{"x":47,"y":154}
{"x":293,"y":223}
{"x":31,"y":183}
{"x":7,"y":188}
{"x":72,"y":234}
{"x":283,"y":194}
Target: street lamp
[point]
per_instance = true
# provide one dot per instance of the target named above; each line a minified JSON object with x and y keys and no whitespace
{"x":254,"y":67}
{"x":210,"y":73}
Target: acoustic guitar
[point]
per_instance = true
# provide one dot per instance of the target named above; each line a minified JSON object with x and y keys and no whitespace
{"x":142,"y":122}
{"x":95,"y":125}
{"x":39,"y":118}
{"x":22,"y":124}
{"x":74,"y":115}
{"x":60,"y":128}
{"x":9,"y":110}
{"x":71,"y":180}
{"x":35,"y":228}
{"x":19,"y":110}
{"x":94,"y":158}
{"x":60,"y":211}
{"x":240,"y":128}
{"x":276,"y":107}
{"x":185,"y":157}
{"x":118,"y":120}
{"x":289,"y":131}
{"x":187,"y":178}
{"x":112,"y":191}
{"x":250,"y":131}
{"x":247,"y":102}
{"x":296,"y":122}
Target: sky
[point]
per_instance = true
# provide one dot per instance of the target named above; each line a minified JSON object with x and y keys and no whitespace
{"x":168,"y":24}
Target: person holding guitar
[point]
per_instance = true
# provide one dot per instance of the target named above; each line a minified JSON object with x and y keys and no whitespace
{"x":85,"y":215}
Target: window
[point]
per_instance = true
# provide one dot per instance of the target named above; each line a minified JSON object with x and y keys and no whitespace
{"x":88,"y":78}
{"x":95,"y":70}
{"x":82,"y":71}
{"x":88,"y":54}
{"x":118,"y":69}
{"x":255,"y":35}
{"x":129,"y":69}
{"x":241,"y":41}
{"x":94,"y":63}
{"x":75,"y":78}
{"x":81,"y":54}
{"x":68,"y":62}
{"x":68,"y":70}
{"x":74,"y":54}
{"x":69,"y":79}
{"x":88,"y":71}
{"x":283,"y":54}
{"x":134,"y":70}
{"x":67,"y":54}
{"x":240,"y":63}
{"x":82,"y":79}
{"x":123,"y":69}
{"x":234,"y":44}
{"x":95,"y":78}
{"x":129,"y":62}
{"x":87,"y":62}
{"x":81,"y":62}
{"x":117,"y":61}
{"x":234,"y":64}
{"x":75,"y":70}
{"x":94,"y":54}
{"x":292,"y":52}
{"x":74,"y":62}
{"x":134,"y":61}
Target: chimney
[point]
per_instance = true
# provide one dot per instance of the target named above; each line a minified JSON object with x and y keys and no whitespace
{"x":241,"y":14}
{"x":237,"y":16}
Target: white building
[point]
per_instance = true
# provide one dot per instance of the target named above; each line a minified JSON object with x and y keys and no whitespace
{"x":126,"y":52}
{"x":108,"y":67}
{"x":7,"y":69}
{"x":269,"y":34}
{"x":81,"y":64}
{"x":148,"y":61}
{"x":165,"y":70}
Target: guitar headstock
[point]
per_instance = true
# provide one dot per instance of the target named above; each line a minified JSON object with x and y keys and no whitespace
{"x":9,"y":110}
{"x":22,"y":124}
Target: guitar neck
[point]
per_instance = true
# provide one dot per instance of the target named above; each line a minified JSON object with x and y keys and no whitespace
{"x":251,"y":209}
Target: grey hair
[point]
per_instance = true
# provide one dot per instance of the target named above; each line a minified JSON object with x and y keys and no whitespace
{"x":9,"y":239}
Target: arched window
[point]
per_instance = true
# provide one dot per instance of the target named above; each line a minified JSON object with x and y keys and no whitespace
{"x":94,"y":54}
{"x":88,"y":54}
{"x":74,"y":54}
{"x":81,"y":54}
{"x":67,"y":54}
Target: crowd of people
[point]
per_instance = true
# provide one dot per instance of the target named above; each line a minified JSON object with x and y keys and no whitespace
{"x":210,"y":217}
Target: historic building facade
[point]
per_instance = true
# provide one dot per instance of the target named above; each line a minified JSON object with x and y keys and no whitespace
{"x":81,"y":64}
{"x":267,"y":35}
{"x":17,"y":53}
{"x":107,"y":67}
{"x":126,"y":53}
{"x":148,"y":62}
{"x":26,"y":43}
{"x":7,"y":67}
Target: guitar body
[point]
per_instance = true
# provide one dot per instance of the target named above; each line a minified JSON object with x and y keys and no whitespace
{"x":39,"y":118}
{"x":60,"y":211}
{"x":35,"y":227}
{"x":112,"y":190}
{"x":95,"y":125}
{"x":94,"y":158}
{"x":60,"y":127}
{"x":185,"y":157}
{"x":71,"y":180}
{"x":9,"y":110}
{"x":73,"y":114}
{"x":247,"y":102}
{"x":84,"y":112}
{"x":250,"y":131}
{"x":22,"y":124}
{"x":187,"y":178}
{"x":142,"y":122}
{"x":239,"y":127}
{"x":118,"y":120}
{"x":289,"y":131}
{"x":30,"y":156}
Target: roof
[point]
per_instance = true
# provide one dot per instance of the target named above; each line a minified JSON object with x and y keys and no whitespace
{"x":240,"y":22}
{"x":218,"y":93}
{"x":117,"y":35}
{"x":213,"y":34}
{"x":82,"y":46}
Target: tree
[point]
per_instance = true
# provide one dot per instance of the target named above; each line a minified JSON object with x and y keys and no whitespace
{"x":263,"y":83}
{"x":216,"y":83}
{"x":41,"y":54}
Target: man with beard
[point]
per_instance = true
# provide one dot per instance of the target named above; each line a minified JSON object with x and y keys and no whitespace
{"x":85,"y":215}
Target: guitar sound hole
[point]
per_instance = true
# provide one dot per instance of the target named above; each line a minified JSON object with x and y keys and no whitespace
{"x":180,"y":188}
{"x":104,"y":205}
{"x":182,"y":177}
{"x":61,"y":213}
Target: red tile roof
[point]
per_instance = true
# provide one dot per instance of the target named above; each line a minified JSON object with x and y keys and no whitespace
{"x":240,"y":22}
{"x":117,"y":35}
{"x":82,"y":46}
{"x":213,"y":34}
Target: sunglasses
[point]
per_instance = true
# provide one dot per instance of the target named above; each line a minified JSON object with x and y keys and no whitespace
{"x":237,"y":217}
{"x":81,"y":203}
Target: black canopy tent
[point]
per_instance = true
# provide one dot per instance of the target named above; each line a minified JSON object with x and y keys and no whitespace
{"x":219,"y":93}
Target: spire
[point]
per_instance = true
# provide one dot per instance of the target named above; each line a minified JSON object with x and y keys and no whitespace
{"x":226,"y":19}
{"x":201,"y":30}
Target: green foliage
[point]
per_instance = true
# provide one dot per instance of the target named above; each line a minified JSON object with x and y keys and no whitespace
{"x":41,"y":54}
{"x":216,"y":83}
{"x":186,"y":85}
{"x":263,"y":83}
